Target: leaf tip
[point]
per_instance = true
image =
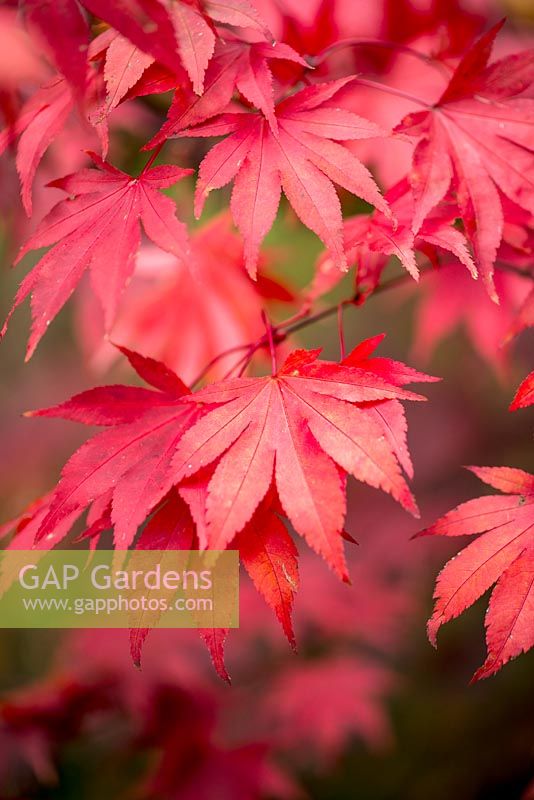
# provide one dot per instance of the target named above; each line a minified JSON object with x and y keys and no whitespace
{"x":432,"y":628}
{"x":420,"y":534}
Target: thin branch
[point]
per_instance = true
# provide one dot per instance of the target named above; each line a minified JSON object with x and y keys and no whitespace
{"x":270,"y":338}
{"x":317,"y":60}
{"x":279,"y":333}
{"x":153,"y":157}
{"x":341,"y":332}
{"x":383,"y":87}
{"x":237,"y":349}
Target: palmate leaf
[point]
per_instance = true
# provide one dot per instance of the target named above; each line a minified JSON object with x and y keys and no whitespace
{"x":477,"y":139}
{"x":305,"y":428}
{"x":302,"y":155}
{"x":502,"y":554}
{"x":124,"y":66}
{"x":99,"y":229}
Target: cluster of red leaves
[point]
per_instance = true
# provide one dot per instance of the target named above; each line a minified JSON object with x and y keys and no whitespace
{"x":219,"y":467}
{"x":241,"y":452}
{"x":292,"y":143}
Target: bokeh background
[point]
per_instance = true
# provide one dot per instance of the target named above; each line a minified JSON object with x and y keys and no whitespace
{"x":366,"y":709}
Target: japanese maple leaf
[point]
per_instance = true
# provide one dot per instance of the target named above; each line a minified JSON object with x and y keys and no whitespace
{"x":209,"y":296}
{"x":304,"y":158}
{"x":390,"y":414}
{"x":126,"y":467}
{"x":370,"y":241}
{"x":306,"y":426}
{"x":502,"y":554}
{"x":477,"y":139}
{"x":177,"y":33}
{"x":99,"y":229}
{"x":236,"y":65}
{"x":525,"y":394}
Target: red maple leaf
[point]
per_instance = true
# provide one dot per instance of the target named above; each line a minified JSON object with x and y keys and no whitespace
{"x":306,"y":427}
{"x":303,"y":157}
{"x":525,"y":394}
{"x":502,"y":554}
{"x":266,"y":550}
{"x":172,"y":528}
{"x":477,"y":139}
{"x":99,"y":229}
